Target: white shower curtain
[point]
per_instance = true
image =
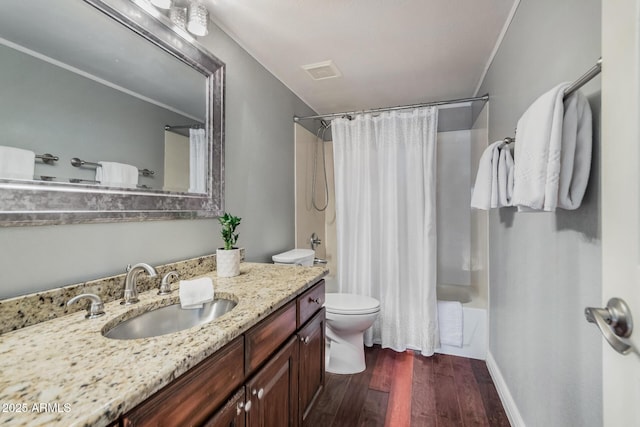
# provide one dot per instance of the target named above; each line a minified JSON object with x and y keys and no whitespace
{"x":385,"y":171}
{"x":197,"y":161}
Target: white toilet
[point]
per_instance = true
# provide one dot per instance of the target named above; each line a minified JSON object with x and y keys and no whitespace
{"x":303,"y":257}
{"x":348,"y":317}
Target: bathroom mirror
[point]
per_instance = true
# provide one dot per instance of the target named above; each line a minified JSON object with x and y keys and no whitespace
{"x":108,"y":81}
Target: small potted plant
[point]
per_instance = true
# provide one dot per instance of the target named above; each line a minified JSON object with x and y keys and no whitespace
{"x":228,"y":258}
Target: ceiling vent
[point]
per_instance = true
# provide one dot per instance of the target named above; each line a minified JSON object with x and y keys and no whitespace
{"x":322,"y":70}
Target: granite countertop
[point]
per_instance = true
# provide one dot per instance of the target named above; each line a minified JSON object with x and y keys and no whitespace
{"x":64,"y":372}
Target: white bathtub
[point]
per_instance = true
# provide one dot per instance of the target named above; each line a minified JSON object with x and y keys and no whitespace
{"x":474,"y":330}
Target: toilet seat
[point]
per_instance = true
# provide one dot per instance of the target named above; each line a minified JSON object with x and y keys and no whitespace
{"x":339,"y":303}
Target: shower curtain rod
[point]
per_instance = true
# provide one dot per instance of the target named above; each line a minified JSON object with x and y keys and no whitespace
{"x":399,"y":107}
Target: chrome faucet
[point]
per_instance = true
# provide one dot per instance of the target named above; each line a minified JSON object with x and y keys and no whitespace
{"x":130,"y":286}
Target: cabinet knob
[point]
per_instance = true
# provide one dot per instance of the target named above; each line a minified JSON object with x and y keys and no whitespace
{"x":316,"y":300}
{"x":304,"y":340}
{"x":258,"y":393}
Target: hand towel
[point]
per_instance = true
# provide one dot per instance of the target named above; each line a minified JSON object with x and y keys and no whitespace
{"x":194,"y":293}
{"x":483,"y":191}
{"x":537,"y":152}
{"x":16,"y":163}
{"x":576,"y":151}
{"x":505,"y":177}
{"x":115,"y":174}
{"x":450,"y":323}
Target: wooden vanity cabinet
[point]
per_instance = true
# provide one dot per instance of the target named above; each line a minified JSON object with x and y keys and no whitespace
{"x":268,"y":377}
{"x":192,"y":397}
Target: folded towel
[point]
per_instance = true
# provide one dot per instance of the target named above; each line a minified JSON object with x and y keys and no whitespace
{"x":194,"y":293}
{"x":450,"y":323}
{"x":117,"y":175}
{"x":537,"y":152}
{"x":505,"y":177}
{"x":576,"y":151}
{"x":483,"y":191}
{"x":16,"y":163}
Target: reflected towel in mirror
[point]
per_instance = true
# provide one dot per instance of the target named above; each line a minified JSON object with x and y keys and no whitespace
{"x":115,"y":174}
{"x":16,"y":163}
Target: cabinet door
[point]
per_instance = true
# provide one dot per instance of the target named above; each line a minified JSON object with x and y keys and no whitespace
{"x":273,"y":391}
{"x":311,"y":338}
{"x":232,"y":414}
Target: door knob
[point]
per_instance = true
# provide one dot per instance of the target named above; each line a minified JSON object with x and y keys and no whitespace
{"x":258,"y":393}
{"x":614,"y":321}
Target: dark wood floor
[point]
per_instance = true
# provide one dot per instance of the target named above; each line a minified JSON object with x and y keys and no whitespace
{"x":406,"y":389}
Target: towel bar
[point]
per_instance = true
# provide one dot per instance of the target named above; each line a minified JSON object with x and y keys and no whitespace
{"x":79,"y":163}
{"x":577,"y":84}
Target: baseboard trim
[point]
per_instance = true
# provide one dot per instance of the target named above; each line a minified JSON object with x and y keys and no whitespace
{"x":503,"y":391}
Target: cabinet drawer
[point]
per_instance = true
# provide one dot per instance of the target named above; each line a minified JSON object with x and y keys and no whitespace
{"x":191,"y":398}
{"x":269,"y":335}
{"x":310,"y":302}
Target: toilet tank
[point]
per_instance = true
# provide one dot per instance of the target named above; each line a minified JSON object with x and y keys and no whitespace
{"x":302,"y":257}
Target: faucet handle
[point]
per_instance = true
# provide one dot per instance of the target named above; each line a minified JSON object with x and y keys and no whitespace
{"x":96,"y":309}
{"x":165,"y":286}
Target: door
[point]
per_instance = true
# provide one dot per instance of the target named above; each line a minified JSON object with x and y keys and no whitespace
{"x":620,"y":201}
{"x":232,"y":414}
{"x":311,"y":369}
{"x":273,"y":391}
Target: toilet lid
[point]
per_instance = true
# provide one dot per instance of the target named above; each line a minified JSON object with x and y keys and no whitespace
{"x":292,"y":256}
{"x":350,"y":304}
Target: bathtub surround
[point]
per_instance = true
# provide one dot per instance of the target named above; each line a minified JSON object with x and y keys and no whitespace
{"x":259,"y":158}
{"x":546,"y":267}
{"x":385,"y":178}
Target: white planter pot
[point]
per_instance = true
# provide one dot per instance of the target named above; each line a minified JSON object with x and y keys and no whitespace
{"x":228,"y":262}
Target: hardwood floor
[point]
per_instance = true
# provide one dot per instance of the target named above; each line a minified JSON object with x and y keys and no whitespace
{"x":406,"y":389}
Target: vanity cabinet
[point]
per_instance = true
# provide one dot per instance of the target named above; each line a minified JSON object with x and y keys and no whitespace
{"x":268,"y":377}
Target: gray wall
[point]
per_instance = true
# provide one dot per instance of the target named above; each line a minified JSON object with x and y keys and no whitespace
{"x":259,"y":188}
{"x":546,"y":267}
{"x":48,"y":109}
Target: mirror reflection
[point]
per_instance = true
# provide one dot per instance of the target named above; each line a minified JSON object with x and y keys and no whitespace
{"x":85,"y":101}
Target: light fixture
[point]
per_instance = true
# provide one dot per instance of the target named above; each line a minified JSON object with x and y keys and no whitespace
{"x":161,"y":4}
{"x":197,"y":23}
{"x":178,"y":15}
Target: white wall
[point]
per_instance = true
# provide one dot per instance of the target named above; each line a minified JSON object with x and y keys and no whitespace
{"x":546,"y":267}
{"x":453,"y":212}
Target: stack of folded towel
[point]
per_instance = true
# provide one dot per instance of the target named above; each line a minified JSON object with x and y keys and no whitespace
{"x":553,"y":152}
{"x":494,"y":181}
{"x":195,"y":293}
{"x":115,"y":174}
{"x":552,"y":158}
{"x":16,"y":163}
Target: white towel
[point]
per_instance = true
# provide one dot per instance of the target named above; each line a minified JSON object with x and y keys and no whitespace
{"x":484,"y":196}
{"x":117,"y":174}
{"x":194,"y":293}
{"x":505,"y":177}
{"x":450,"y":323}
{"x":16,"y":163}
{"x":576,"y":151}
{"x":537,"y":152}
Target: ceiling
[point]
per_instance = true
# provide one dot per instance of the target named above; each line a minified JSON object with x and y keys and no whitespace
{"x":389,"y":52}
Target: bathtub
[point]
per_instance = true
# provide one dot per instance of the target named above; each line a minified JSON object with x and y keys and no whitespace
{"x":474,"y":319}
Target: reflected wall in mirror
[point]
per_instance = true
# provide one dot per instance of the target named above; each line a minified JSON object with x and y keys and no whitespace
{"x":131,"y":107}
